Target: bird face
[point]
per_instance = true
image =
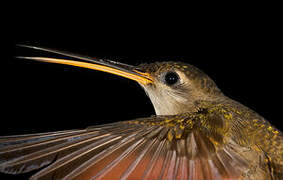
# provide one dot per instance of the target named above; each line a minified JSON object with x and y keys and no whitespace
{"x":176,"y":87}
{"x":172,"y":87}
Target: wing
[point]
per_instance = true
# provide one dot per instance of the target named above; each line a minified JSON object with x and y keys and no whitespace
{"x":147,"y":148}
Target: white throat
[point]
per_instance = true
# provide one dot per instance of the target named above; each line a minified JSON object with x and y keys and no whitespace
{"x":166,"y":103}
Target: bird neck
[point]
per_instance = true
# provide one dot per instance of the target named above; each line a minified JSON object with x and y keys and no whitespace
{"x":173,"y":107}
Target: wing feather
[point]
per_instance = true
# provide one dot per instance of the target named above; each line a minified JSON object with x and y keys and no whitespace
{"x":123,"y":150}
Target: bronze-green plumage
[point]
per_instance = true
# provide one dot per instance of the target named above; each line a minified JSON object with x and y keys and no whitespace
{"x":197,"y":133}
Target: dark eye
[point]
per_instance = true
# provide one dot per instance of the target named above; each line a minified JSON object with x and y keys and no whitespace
{"x":171,"y":78}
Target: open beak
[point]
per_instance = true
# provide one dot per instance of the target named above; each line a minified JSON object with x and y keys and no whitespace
{"x":119,"y":69}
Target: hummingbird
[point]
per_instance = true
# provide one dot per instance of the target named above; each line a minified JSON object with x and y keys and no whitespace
{"x":196,"y":133}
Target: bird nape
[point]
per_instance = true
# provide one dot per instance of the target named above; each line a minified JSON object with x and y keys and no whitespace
{"x":197,"y":133}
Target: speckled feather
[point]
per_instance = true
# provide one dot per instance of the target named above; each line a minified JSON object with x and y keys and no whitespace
{"x":210,"y":137}
{"x":188,"y":142}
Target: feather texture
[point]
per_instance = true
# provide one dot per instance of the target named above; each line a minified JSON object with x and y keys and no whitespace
{"x":135,"y":149}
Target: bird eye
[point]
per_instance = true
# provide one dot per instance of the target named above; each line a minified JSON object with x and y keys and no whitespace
{"x":171,"y":78}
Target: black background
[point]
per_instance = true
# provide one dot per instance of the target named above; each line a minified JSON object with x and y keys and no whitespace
{"x":241,"y":51}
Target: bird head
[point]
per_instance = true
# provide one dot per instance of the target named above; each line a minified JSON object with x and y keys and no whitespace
{"x":176,"y":87}
{"x":173,"y":87}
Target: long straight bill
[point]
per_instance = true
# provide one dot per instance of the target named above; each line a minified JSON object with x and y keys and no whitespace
{"x":112,"y":68}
